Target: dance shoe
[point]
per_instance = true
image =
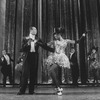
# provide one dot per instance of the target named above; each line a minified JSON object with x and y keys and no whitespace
{"x":59,"y":93}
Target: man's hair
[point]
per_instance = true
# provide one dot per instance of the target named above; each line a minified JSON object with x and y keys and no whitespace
{"x":31,"y":28}
{"x":72,"y":47}
{"x":4,"y":50}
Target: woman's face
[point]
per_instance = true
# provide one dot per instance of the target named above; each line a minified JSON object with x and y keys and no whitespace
{"x":56,"y":36}
{"x":72,"y":50}
{"x":93,"y":51}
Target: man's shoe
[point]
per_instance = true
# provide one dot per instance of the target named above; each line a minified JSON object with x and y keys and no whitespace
{"x":20,"y":93}
{"x":4,"y":85}
{"x":31,"y":93}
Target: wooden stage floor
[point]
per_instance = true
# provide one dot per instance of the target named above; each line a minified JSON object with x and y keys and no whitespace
{"x":48,"y":93}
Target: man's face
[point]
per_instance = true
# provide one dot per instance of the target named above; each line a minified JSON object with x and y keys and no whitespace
{"x":72,"y":50}
{"x":33,"y":31}
{"x":3,"y":52}
{"x":93,"y":51}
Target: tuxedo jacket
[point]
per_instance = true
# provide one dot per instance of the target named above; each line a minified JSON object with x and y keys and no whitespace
{"x":73,"y":60}
{"x":74,"y":66}
{"x":4,"y":64}
{"x":26,"y":49}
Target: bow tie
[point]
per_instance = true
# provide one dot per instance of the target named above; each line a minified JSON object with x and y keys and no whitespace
{"x":31,"y":40}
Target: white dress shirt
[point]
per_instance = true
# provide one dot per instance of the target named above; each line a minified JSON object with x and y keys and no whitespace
{"x":71,"y":55}
{"x":33,"y":46}
{"x":7,"y":59}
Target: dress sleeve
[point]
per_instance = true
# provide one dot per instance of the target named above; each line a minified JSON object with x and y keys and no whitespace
{"x":95,"y":56}
{"x":70,"y":41}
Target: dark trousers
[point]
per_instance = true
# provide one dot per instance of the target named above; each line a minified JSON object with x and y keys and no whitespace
{"x":95,"y":74}
{"x":29,"y":70}
{"x":75,"y":74}
{"x":53,"y":73}
{"x":7,"y":74}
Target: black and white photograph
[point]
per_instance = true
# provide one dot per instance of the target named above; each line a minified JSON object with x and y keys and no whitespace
{"x":49,"y":50}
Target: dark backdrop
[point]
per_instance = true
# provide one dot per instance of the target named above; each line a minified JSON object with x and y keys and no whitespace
{"x":75,"y":16}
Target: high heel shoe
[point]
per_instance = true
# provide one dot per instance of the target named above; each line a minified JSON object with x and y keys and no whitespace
{"x":59,"y":91}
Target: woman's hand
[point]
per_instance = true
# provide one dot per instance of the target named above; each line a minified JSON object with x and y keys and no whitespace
{"x":88,"y":58}
{"x":83,"y":34}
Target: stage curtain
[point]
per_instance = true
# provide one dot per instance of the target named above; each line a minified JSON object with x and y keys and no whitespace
{"x":75,"y":16}
{"x":2,"y":28}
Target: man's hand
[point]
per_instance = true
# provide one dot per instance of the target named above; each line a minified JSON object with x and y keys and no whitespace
{"x":2,"y":58}
{"x":29,"y":42}
{"x":71,"y":63}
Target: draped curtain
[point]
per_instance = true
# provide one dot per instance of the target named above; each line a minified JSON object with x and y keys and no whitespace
{"x":75,"y":16}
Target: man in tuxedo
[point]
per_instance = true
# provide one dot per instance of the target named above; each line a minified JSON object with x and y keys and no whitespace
{"x":74,"y":66}
{"x":30,"y":62}
{"x":6,"y":67}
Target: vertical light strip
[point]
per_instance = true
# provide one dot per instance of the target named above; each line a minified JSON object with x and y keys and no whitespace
{"x":2,"y":28}
{"x":22,"y":20}
{"x":40,"y":36}
{"x":77,"y":35}
{"x":2,"y":23}
{"x":60,"y":14}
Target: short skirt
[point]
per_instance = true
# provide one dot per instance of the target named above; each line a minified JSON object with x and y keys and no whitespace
{"x":60,"y":59}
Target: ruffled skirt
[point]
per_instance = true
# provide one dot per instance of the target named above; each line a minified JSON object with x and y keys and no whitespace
{"x":60,"y":59}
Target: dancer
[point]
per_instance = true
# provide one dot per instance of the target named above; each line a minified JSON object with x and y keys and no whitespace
{"x":94,"y":64}
{"x":74,"y":66}
{"x":58,"y":58}
{"x":6,"y":67}
{"x":30,"y":61}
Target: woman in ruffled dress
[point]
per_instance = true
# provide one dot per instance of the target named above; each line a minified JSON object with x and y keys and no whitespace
{"x":58,"y":58}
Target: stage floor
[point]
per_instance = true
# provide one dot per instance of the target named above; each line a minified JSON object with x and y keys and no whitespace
{"x":48,"y":93}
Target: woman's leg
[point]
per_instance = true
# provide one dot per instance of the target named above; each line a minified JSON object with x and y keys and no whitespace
{"x":53,"y":73}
